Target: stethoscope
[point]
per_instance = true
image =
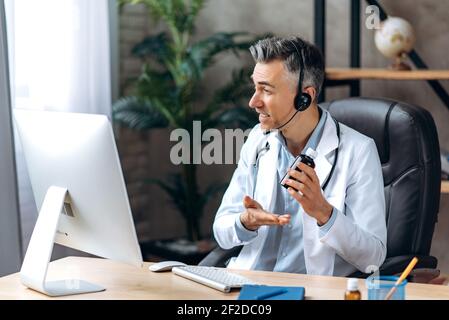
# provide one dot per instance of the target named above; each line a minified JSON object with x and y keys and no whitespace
{"x":266,"y":148}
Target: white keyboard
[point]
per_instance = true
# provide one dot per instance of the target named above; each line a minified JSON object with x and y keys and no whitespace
{"x":217,"y":278}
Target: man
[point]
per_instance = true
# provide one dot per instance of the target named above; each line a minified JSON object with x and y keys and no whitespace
{"x":332,"y":232}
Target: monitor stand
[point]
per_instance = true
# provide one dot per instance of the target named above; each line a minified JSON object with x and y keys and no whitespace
{"x":34,"y":268}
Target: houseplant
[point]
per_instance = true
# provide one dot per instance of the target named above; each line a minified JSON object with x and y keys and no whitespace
{"x":165,"y":95}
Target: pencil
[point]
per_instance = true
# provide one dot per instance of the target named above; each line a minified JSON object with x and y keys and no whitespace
{"x":404,"y":275}
{"x":271,"y":294}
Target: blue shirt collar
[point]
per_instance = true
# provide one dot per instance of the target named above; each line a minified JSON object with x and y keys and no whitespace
{"x":315,"y":137}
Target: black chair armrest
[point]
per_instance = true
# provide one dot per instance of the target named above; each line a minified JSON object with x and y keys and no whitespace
{"x":395,"y":265}
{"x":219,"y":257}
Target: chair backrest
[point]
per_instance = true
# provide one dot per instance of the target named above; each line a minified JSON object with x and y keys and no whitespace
{"x":407,"y":142}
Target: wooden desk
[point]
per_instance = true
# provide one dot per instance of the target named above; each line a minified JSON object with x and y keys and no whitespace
{"x":372,"y":73}
{"x":127,"y":282}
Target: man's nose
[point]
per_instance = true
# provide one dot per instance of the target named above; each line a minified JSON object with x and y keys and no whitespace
{"x":255,"y":102}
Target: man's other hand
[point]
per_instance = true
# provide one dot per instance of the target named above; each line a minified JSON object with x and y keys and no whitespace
{"x":255,"y":216}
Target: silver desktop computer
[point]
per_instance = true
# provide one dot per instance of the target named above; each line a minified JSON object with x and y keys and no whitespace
{"x":80,"y":193}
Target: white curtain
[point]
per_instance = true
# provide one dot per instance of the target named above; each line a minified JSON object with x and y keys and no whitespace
{"x":61,"y":55}
{"x":59,"y":60}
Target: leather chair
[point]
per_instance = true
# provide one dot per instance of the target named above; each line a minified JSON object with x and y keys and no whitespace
{"x":407,"y":142}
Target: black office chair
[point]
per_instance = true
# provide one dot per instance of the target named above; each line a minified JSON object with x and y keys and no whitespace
{"x":408,"y":147}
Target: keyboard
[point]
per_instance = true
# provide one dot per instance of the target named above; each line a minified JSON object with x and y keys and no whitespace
{"x":217,"y":278}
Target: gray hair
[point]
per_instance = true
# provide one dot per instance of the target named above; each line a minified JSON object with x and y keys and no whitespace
{"x":286,"y":50}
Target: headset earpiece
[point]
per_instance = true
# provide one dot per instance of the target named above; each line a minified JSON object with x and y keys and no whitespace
{"x":303,"y":101}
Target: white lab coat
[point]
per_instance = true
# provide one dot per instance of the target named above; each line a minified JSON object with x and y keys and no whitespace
{"x":356,"y":240}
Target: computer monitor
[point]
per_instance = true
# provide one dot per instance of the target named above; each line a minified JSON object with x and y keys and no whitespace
{"x":79,"y":191}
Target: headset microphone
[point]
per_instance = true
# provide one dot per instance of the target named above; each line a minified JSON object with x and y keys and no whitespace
{"x":266,"y":132}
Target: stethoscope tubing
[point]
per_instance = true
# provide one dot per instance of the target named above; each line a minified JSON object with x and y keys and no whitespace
{"x":267,"y":147}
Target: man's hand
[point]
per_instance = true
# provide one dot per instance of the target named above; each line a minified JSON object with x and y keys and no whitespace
{"x":255,"y":216}
{"x":309,"y":193}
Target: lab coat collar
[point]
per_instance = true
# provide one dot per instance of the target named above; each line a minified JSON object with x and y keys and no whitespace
{"x":328,"y":143}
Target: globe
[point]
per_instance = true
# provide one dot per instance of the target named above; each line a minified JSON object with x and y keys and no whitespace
{"x":394,"y":39}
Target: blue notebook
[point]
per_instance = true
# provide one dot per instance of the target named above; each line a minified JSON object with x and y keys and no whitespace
{"x":262,"y":292}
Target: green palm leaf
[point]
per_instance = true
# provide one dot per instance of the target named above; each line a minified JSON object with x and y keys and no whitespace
{"x":237,"y":117}
{"x":138,"y":114}
{"x":154,"y":46}
{"x":238,"y":89}
{"x":234,"y":94}
{"x":201,"y":55}
{"x":154,"y":84}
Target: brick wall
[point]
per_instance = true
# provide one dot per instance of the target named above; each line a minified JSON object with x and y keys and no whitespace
{"x":133,"y":28}
{"x":132,"y":145}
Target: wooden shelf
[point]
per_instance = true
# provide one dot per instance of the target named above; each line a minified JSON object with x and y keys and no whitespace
{"x":445,"y":186}
{"x":366,"y":73}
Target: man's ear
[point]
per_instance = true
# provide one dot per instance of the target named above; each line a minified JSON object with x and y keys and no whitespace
{"x":312,"y":92}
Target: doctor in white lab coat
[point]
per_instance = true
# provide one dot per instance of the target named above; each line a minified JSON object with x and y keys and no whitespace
{"x":332,"y":232}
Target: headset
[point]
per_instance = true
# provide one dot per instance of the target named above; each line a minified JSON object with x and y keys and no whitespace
{"x":302,"y":100}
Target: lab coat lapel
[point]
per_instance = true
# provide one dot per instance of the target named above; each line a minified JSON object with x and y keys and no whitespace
{"x":319,"y":258}
{"x":267,"y":175}
{"x":327,"y":144}
{"x":265,"y":194}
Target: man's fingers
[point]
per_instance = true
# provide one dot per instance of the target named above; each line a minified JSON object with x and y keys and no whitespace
{"x":301,"y":187}
{"x":264,"y":218}
{"x":248,"y":202}
{"x":284,"y":219}
{"x":296,"y":195}
{"x":310,"y":172}
{"x":301,"y":177}
{"x":269,"y":219}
